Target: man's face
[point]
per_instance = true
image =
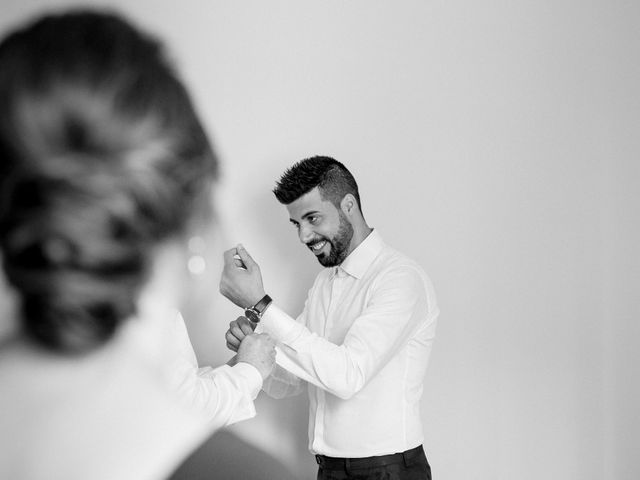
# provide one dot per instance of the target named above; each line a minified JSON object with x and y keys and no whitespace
{"x":322,"y":227}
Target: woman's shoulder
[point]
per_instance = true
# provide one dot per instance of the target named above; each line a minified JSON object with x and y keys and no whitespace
{"x":94,"y":417}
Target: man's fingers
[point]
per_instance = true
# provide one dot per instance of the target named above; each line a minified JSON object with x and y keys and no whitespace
{"x":245,"y":325}
{"x":228,"y":257}
{"x":233,"y":258}
{"x":236,"y":331}
{"x":233,"y":337}
{"x":245,"y":257}
{"x":232,"y":342}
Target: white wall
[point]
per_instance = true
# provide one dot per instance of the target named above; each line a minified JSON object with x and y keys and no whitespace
{"x":496,"y":143}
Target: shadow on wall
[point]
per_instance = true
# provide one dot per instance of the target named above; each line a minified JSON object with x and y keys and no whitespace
{"x":226,"y":456}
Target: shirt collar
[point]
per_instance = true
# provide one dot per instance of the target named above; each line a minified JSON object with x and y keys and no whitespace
{"x":358,"y":261}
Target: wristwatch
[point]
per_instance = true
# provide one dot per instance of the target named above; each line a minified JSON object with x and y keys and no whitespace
{"x":254,"y":314}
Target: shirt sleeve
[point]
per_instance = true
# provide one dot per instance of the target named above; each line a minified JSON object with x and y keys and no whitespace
{"x":282,"y":383}
{"x":223,"y":395}
{"x":397,"y":307}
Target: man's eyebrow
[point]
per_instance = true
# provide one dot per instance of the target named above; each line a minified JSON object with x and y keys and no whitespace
{"x":307,"y":214}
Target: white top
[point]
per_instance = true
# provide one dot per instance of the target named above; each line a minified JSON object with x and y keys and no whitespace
{"x":134,"y":409}
{"x":363,"y":343}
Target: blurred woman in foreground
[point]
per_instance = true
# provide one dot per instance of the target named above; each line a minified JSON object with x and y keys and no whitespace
{"x":105,"y":181}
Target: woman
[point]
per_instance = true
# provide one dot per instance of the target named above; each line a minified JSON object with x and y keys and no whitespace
{"x":105,"y":180}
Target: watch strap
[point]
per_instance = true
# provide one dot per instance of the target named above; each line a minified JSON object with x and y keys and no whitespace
{"x":262,"y":305}
{"x":254,"y":313}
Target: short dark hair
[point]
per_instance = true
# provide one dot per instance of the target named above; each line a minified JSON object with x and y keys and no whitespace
{"x":332,"y":178}
{"x":102,"y":158}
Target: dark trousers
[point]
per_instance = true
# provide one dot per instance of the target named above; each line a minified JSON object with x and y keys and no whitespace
{"x":409,"y":465}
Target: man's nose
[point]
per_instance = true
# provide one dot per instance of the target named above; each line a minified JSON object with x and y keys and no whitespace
{"x":305,"y":234}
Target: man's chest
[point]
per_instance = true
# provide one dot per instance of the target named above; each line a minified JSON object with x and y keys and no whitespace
{"x":336,"y":305}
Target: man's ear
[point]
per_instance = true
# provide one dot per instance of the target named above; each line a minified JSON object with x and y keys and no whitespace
{"x":348,"y":204}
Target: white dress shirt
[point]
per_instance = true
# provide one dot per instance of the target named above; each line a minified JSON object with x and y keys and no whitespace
{"x":362,"y":343}
{"x":223,"y":395}
{"x":133,"y":409}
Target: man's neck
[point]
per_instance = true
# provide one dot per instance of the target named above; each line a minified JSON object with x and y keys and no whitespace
{"x":359,"y":236}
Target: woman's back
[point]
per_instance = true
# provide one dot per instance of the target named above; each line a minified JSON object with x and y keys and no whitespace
{"x":104,"y":163}
{"x":110,"y":415}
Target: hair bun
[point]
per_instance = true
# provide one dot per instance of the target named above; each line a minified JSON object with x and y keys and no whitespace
{"x":103,"y":157}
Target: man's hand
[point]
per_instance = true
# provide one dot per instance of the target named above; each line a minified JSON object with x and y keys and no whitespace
{"x":238,"y":329}
{"x":241,"y":280}
{"x":259,"y":350}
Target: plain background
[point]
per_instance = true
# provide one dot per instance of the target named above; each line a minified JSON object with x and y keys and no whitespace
{"x":497,"y":143}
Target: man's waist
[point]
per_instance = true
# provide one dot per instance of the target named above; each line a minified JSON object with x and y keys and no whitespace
{"x":349,"y":433}
{"x":364,"y":445}
{"x":341,"y":463}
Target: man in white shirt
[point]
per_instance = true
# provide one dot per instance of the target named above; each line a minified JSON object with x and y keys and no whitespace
{"x":363,"y":340}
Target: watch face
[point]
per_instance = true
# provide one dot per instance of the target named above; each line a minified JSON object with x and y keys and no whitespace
{"x":251,"y":315}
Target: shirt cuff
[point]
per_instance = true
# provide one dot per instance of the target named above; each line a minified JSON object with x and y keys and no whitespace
{"x":279,"y":325}
{"x":251,"y":375}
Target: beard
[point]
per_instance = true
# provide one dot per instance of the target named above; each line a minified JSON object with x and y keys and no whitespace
{"x":339,"y":244}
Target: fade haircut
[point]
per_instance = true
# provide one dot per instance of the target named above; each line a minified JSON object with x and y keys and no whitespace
{"x":331,"y":177}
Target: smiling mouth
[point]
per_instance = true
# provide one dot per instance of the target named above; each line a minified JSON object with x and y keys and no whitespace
{"x":317,"y":246}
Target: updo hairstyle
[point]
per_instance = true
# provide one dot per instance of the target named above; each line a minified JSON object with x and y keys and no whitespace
{"x":102,"y":158}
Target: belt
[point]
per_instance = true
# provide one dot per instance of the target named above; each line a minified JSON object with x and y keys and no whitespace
{"x":338,"y":463}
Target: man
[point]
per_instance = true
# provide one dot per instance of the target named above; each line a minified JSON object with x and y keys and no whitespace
{"x":363,"y":339}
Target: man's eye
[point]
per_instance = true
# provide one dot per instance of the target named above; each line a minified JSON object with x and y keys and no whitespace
{"x":313,"y":220}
